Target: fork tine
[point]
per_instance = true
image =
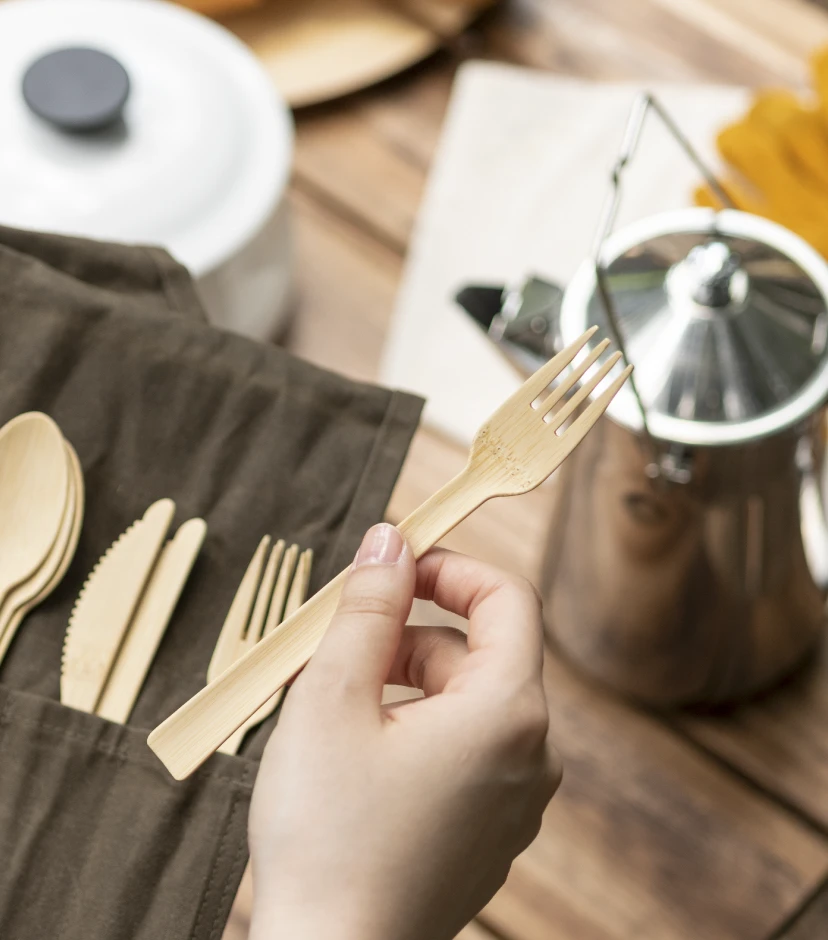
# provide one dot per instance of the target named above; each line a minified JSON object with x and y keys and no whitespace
{"x":260,"y":608}
{"x":277,"y":602}
{"x":299,"y":588}
{"x":235,"y":623}
{"x":578,"y":430}
{"x":540,"y":380}
{"x":296,"y":597}
{"x":583,"y":393}
{"x":569,"y":382}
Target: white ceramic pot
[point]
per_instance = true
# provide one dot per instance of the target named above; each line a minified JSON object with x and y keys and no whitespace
{"x":192,"y":152}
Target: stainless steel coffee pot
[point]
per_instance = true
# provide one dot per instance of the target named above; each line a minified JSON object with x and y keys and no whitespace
{"x":688,"y":554}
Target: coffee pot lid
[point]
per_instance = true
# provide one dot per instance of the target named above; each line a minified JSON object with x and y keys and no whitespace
{"x":724,"y":316}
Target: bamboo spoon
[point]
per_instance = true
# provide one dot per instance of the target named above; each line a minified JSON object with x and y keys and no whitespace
{"x":34,"y":481}
{"x":35,"y":590}
{"x":33,"y":584}
{"x":513,"y":452}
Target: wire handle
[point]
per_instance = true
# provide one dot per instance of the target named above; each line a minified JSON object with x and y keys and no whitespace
{"x":642,"y":106}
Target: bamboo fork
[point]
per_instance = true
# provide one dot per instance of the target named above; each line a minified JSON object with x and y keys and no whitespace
{"x":270,"y":590}
{"x":522,"y":443}
{"x":286,"y":597}
{"x":244,"y":620}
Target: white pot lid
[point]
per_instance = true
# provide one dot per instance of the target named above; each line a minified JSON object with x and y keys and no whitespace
{"x":198,"y":159}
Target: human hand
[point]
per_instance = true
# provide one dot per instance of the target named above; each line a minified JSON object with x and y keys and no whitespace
{"x":374,"y":822}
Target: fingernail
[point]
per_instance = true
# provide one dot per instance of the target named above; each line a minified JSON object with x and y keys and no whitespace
{"x":382,"y":545}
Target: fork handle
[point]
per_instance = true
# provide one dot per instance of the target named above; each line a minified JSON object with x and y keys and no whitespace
{"x":201,"y":725}
{"x":440,"y":513}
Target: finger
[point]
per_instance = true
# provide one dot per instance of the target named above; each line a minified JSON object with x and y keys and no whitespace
{"x":428,"y":657}
{"x":357,"y":651}
{"x":504,"y":611}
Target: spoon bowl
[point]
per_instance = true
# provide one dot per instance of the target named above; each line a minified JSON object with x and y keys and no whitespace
{"x":36,"y":589}
{"x":34,"y":485}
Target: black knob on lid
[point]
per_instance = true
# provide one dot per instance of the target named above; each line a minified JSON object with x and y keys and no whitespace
{"x":76,"y":89}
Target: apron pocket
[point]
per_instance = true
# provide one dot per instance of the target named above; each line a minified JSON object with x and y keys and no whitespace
{"x":98,"y":841}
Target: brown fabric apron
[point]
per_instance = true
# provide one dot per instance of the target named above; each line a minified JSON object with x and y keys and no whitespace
{"x":97,"y":842}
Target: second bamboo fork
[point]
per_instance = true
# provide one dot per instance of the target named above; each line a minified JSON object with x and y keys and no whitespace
{"x":523,"y":442}
{"x":270,"y":591}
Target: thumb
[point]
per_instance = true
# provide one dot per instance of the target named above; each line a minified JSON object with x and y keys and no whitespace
{"x":358,"y":650}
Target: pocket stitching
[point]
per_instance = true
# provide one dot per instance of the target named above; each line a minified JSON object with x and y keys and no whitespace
{"x":119,"y":752}
{"x":211,"y":881}
{"x":5,"y":718}
{"x":217,"y":928}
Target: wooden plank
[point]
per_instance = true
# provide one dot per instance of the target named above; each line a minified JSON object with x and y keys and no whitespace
{"x":684,"y":40}
{"x":573,"y":38}
{"x":345,"y":286}
{"x":368,"y":156}
{"x":648,"y":838}
{"x":778,"y":35}
{"x":780,"y":740}
{"x":409,"y":112}
{"x":368,"y":180}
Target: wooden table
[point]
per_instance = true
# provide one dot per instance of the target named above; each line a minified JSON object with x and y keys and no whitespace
{"x":689,"y":828}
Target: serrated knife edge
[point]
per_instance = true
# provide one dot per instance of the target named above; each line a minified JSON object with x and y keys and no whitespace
{"x":106,"y":605}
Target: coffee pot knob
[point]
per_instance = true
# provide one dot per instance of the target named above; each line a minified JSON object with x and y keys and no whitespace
{"x":712,"y":275}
